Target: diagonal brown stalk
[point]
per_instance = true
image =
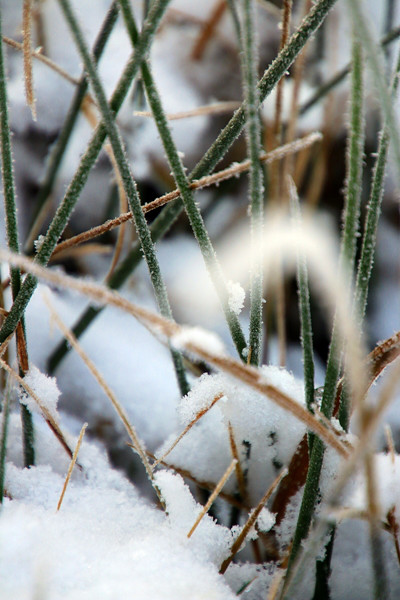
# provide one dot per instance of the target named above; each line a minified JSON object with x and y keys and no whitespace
{"x":251,"y":521}
{"x":27,"y":48}
{"x":232,"y":171}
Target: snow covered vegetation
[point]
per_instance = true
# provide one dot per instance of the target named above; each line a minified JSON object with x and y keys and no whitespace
{"x":199,"y":300}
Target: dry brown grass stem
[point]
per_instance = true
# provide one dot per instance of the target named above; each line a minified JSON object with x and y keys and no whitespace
{"x":285,"y":32}
{"x":188,"y":427}
{"x":79,"y":251}
{"x":123,"y":208}
{"x":27,"y":50}
{"x":215,"y":178}
{"x":394,"y":528}
{"x":67,"y":333}
{"x":71,"y":465}
{"x":367,"y":434}
{"x":54,"y":426}
{"x":213,"y":496}
{"x":208,"y":29}
{"x":218,"y":108}
{"x":238,"y":469}
{"x":344,"y":512}
{"x":161,"y":326}
{"x":381,"y":357}
{"x":37,"y":55}
{"x":276,"y":585}
{"x":237,"y":544}
{"x":298,"y":71}
{"x":390,"y":443}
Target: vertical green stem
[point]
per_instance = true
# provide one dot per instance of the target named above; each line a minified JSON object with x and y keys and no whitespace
{"x":374,"y":208}
{"x":355,"y":155}
{"x":375,"y":59}
{"x":347,"y":254}
{"x":256,"y":186}
{"x":183,"y":185}
{"x":3,"y":441}
{"x":12,"y":228}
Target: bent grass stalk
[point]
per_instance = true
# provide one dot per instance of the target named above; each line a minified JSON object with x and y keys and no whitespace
{"x":159,"y":325}
{"x":136,"y":444}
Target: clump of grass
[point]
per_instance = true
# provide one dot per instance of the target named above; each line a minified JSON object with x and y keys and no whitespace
{"x":276,"y":241}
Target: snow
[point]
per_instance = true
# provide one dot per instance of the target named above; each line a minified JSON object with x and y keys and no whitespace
{"x":103,"y":541}
{"x":265,"y":520}
{"x":45,"y":388}
{"x":271,"y":432}
{"x":150,"y":401}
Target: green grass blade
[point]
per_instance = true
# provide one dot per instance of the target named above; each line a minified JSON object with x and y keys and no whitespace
{"x":3,"y":442}
{"x":256,"y":184}
{"x":355,"y":153}
{"x":373,"y":212}
{"x":187,"y":195}
{"x":329,"y":85}
{"x":376,"y":62}
{"x":12,"y":229}
{"x":347,"y":254}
